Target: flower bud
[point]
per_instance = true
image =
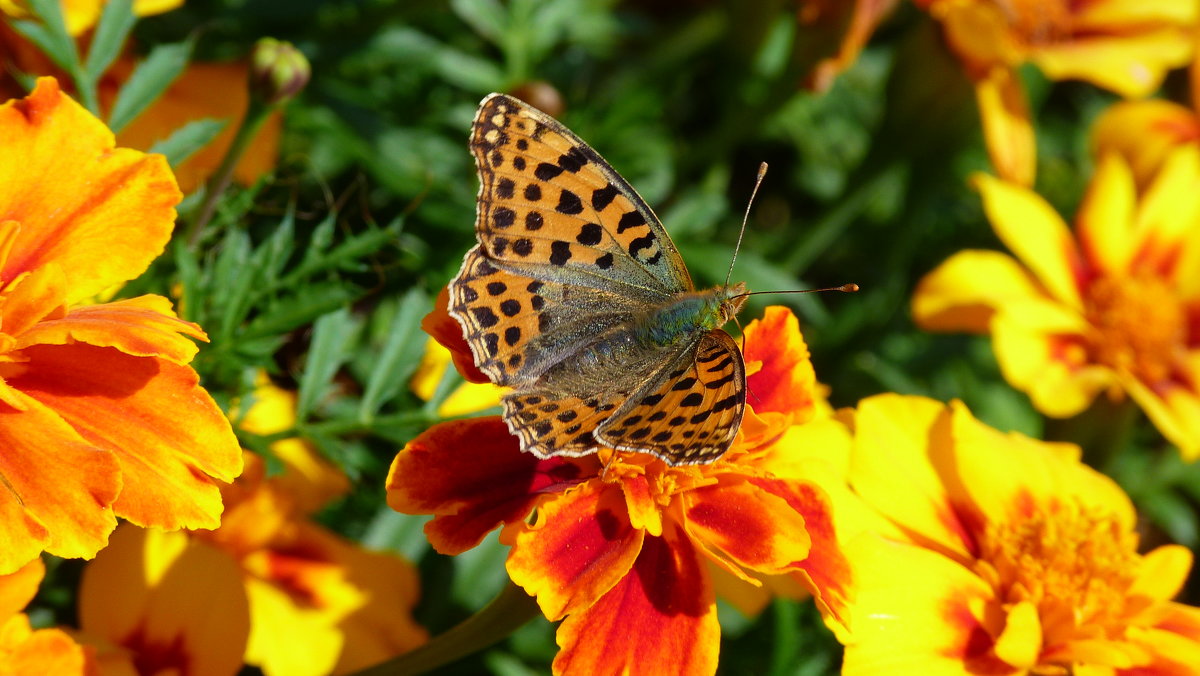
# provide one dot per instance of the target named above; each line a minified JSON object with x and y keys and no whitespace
{"x":278,"y":71}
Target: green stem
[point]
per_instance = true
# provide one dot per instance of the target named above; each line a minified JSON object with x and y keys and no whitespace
{"x":256,"y":114}
{"x":511,"y":609}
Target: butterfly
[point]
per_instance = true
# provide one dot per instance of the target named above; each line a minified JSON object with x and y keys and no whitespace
{"x":577,"y":299}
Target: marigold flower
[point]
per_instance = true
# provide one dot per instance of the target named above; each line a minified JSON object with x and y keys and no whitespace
{"x":1125,"y":46}
{"x":619,"y":553}
{"x":1113,"y":308}
{"x":300,"y":599}
{"x":24,"y":650}
{"x":1004,"y":555}
{"x":100,"y":415}
{"x":854,"y":22}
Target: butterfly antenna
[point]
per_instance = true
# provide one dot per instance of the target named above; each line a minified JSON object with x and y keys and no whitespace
{"x":762,"y":172}
{"x":845,"y":288}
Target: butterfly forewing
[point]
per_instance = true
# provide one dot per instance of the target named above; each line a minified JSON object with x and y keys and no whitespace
{"x":690,"y":416}
{"x":547,"y":198}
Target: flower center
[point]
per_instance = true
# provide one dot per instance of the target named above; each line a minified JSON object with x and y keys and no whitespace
{"x":1038,"y":22}
{"x":1139,"y":326}
{"x":1073,"y":564}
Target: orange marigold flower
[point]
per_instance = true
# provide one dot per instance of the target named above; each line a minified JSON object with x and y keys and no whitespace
{"x":621,"y":552}
{"x":100,"y":415}
{"x":1001,"y":555}
{"x":24,"y":650}
{"x":1116,"y":307}
{"x":299,"y":599}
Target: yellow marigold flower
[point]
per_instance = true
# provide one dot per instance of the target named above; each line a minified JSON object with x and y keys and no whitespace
{"x":1115,"y":307}
{"x":24,"y":650}
{"x":100,"y":415}
{"x":82,"y":15}
{"x":268,"y":588}
{"x":1003,"y":555}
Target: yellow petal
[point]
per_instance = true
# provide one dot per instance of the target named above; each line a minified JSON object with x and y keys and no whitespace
{"x":1104,"y":221}
{"x":1130,"y":65}
{"x":1051,"y":368}
{"x":1032,"y":230}
{"x":1175,"y":411}
{"x":1144,"y":133}
{"x":964,"y":292}
{"x":1021,"y":641}
{"x":1162,"y":573}
{"x":1007,"y":129}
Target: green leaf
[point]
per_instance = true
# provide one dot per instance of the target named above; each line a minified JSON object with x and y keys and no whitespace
{"x":148,"y":81}
{"x":487,"y":17}
{"x":186,"y":140}
{"x":49,"y":32}
{"x":332,"y":335}
{"x":115,"y":23}
{"x":398,"y":358}
{"x":300,"y":308}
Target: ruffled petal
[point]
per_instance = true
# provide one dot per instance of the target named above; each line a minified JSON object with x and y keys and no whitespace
{"x":1130,"y":65}
{"x":965,"y":291}
{"x":660,"y":615}
{"x":917,"y":612}
{"x":175,"y":602}
{"x":1144,"y":133}
{"x":472,"y":476}
{"x":172,"y":458}
{"x":1162,"y":573}
{"x":899,"y":442}
{"x":144,"y":327}
{"x":60,"y":489}
{"x":445,"y":330}
{"x":1032,"y":230}
{"x":1007,"y":126}
{"x":1039,"y":354}
{"x":751,"y":522}
{"x":101,"y":213}
{"x":43,"y":651}
{"x":580,"y":547}
{"x":783,"y":386}
{"x":19,"y":587}
{"x":1104,"y":222}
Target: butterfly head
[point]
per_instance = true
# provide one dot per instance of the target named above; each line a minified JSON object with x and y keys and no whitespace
{"x":731,"y":299}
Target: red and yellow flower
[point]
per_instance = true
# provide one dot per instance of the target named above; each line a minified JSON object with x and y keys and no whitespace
{"x":1000,"y":554}
{"x":24,"y":650}
{"x":1114,"y":308}
{"x":100,"y":414}
{"x":276,"y":590}
{"x":619,"y":555}
{"x":1124,"y":46}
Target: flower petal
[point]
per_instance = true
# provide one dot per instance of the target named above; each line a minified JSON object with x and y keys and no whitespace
{"x":172,"y":457}
{"x":19,"y":587}
{"x":660,"y":615}
{"x":472,"y":476}
{"x":1130,"y":65}
{"x":59,"y":488}
{"x":1020,"y":643}
{"x":965,"y":291}
{"x":1050,"y":366}
{"x":175,"y":602}
{"x":898,"y":443}
{"x":1166,"y":219}
{"x":41,"y":651}
{"x":854,"y":22}
{"x":445,"y":330}
{"x":1007,"y":129}
{"x":750,"y":522}
{"x":917,"y":612}
{"x":580,"y":546}
{"x":144,"y":327}
{"x":1144,"y":133}
{"x":101,"y":213}
{"x":1174,"y":410}
{"x":1032,"y":230}
{"x":1162,"y":573}
{"x":1104,"y":222}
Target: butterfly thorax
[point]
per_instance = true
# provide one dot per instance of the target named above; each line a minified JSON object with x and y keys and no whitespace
{"x":691,"y":313}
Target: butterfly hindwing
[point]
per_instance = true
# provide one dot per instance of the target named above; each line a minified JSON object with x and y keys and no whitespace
{"x":690,"y":416}
{"x":548,"y":200}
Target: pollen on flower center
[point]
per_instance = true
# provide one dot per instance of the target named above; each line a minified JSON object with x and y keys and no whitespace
{"x":1139,"y":326}
{"x":1075,"y":565}
{"x":1038,"y":21}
